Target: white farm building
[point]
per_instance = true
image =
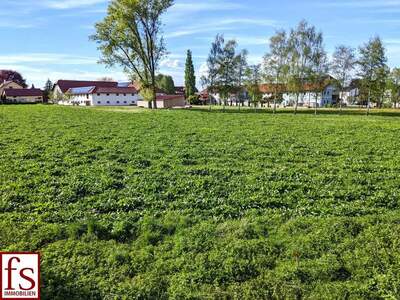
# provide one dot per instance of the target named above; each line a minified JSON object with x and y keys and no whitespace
{"x":95,"y":93}
{"x":101,"y":96}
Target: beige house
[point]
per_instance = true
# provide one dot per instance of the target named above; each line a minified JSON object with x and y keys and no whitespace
{"x":9,"y":85}
{"x":13,"y":95}
{"x":166,"y":101}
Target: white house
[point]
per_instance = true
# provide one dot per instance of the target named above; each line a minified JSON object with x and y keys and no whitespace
{"x":101,"y":96}
{"x":307,"y":98}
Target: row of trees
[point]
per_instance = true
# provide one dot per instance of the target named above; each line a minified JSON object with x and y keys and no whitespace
{"x":131,"y":36}
{"x":297,"y":62}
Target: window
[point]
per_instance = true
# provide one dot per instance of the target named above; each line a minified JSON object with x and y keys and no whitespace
{"x":133,"y":101}
{"x":117,"y":102}
{"x":108,"y":94}
{"x":117,"y":94}
{"x":125,"y":102}
{"x":98,"y":94}
{"x":125,"y":95}
{"x":87,"y":96}
{"x":133,"y":94}
{"x":108,"y":102}
{"x":98,"y":102}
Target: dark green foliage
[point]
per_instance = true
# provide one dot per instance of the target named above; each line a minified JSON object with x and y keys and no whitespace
{"x":190,"y":78}
{"x":197,"y":205}
{"x":166,"y":83}
{"x":48,"y":88}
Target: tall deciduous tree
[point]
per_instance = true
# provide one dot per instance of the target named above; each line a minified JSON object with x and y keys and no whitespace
{"x":209,"y":80}
{"x":276,"y":63}
{"x":373,"y":70}
{"x":393,"y":84}
{"x":241,"y":75}
{"x":319,"y":68}
{"x":190,"y":77}
{"x":130,"y":36}
{"x":301,"y":45}
{"x":342,"y":67}
{"x":253,"y":83}
{"x":227,"y":63}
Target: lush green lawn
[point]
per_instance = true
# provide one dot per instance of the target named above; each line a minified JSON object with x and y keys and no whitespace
{"x":202,"y":205}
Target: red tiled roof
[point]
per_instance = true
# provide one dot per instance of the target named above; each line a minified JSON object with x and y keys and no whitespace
{"x":115,"y":90}
{"x":65,"y":85}
{"x":170,"y":97}
{"x":23,"y":92}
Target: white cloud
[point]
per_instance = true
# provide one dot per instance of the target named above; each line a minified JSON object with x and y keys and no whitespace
{"x":363,"y":3}
{"x":4,"y":23}
{"x":219,"y":25}
{"x":171,"y":63}
{"x":47,"y":58}
{"x":68,"y":4}
{"x":39,"y":76}
{"x":191,"y":7}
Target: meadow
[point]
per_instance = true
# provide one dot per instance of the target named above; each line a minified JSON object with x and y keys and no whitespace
{"x":203,"y":205}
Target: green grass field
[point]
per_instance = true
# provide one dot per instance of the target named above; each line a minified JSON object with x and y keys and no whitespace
{"x":203,"y":205}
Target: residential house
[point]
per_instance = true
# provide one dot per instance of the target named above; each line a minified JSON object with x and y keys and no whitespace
{"x":9,"y":85}
{"x":310,"y":96}
{"x":20,"y":95}
{"x":101,"y":96}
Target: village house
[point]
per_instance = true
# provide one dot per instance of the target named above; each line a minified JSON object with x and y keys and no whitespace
{"x":21,"y":95}
{"x":9,"y":85}
{"x":310,"y":96}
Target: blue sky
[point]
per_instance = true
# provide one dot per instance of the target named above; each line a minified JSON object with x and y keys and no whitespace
{"x":49,"y":38}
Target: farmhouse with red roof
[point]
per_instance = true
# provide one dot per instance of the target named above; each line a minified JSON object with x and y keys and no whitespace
{"x":19,"y":95}
{"x":98,"y":94}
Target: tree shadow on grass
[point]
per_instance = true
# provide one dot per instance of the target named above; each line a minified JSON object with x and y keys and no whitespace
{"x":302,"y":111}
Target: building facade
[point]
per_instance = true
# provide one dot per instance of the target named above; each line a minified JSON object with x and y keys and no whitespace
{"x":16,"y":95}
{"x":101,"y":96}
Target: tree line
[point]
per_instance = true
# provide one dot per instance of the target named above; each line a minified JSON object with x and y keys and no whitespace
{"x":131,"y":36}
{"x":297,"y":59}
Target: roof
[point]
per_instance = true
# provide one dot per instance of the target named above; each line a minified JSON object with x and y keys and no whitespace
{"x":170,"y":97}
{"x":102,"y":90}
{"x":23,"y":92}
{"x":5,"y":83}
{"x":116,"y":90}
{"x":81,"y":90}
{"x":65,"y":85}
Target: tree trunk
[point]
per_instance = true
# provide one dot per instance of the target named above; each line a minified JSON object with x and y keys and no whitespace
{"x":296,"y":104}
{"x":316,"y":104}
{"x":369,"y":102}
{"x":154,"y":95}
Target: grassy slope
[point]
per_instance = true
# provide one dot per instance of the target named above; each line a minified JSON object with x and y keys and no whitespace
{"x":197,"y":204}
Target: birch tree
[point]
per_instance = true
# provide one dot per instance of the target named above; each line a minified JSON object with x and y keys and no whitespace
{"x":276,"y":63}
{"x":373,"y":70}
{"x":342,"y":67}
